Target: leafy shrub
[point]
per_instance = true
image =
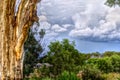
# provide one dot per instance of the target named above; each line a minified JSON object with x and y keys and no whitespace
{"x":90,"y":72}
{"x":115,"y":61}
{"x":36,"y":75}
{"x":47,"y":78}
{"x":64,"y":57}
{"x":111,"y":76}
{"x":67,"y":76}
{"x":104,"y":64}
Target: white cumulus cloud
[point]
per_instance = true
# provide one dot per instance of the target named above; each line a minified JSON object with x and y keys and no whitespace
{"x":97,"y":22}
{"x":58,"y":28}
{"x":85,"y":19}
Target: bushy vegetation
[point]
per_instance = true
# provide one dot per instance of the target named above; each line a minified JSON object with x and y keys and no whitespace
{"x":63,"y":56}
{"x":67,"y":76}
{"x":32,"y":52}
{"x":90,"y":72}
{"x":64,"y":62}
{"x":107,"y":64}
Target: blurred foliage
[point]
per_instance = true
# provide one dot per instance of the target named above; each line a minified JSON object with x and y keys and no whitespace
{"x":91,"y":72}
{"x":67,"y":76}
{"x":115,"y":61}
{"x":112,"y":2}
{"x":106,"y":64}
{"x":32,"y":51}
{"x":111,"y":76}
{"x":110,"y":53}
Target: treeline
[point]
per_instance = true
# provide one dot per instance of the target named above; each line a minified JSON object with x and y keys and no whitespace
{"x":64,"y":62}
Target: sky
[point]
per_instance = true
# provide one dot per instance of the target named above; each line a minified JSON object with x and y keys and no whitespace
{"x":94,"y":26}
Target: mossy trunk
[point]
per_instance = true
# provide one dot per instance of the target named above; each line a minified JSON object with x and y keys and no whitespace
{"x":13,"y":33}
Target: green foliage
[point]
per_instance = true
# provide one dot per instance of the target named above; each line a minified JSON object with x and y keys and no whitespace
{"x":42,"y":33}
{"x":111,"y":76}
{"x":95,"y":54}
{"x":35,"y":78}
{"x":63,"y":56}
{"x":115,"y":61}
{"x":107,"y":64}
{"x":47,"y":78}
{"x":104,"y":64}
{"x":45,"y":71}
{"x":119,"y":78}
{"x":110,"y":53}
{"x":32,"y":51}
{"x":65,"y":62}
{"x":90,"y":72}
{"x":67,"y":76}
{"x":112,"y":2}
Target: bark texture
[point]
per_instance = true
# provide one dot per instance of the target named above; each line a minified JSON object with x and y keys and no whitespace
{"x":13,"y":33}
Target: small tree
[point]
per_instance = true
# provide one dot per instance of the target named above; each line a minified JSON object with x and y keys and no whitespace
{"x":63,"y":56}
{"x":32,"y":51}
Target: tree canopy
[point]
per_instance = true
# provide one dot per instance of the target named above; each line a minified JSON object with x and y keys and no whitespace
{"x":113,"y":2}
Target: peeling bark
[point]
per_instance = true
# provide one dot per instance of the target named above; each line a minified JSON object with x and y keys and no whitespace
{"x":13,"y":33}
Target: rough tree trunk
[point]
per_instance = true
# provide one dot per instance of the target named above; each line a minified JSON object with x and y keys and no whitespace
{"x":13,"y":33}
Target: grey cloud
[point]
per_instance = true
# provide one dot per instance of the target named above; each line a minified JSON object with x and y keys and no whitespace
{"x":88,"y":19}
{"x":104,"y":24}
